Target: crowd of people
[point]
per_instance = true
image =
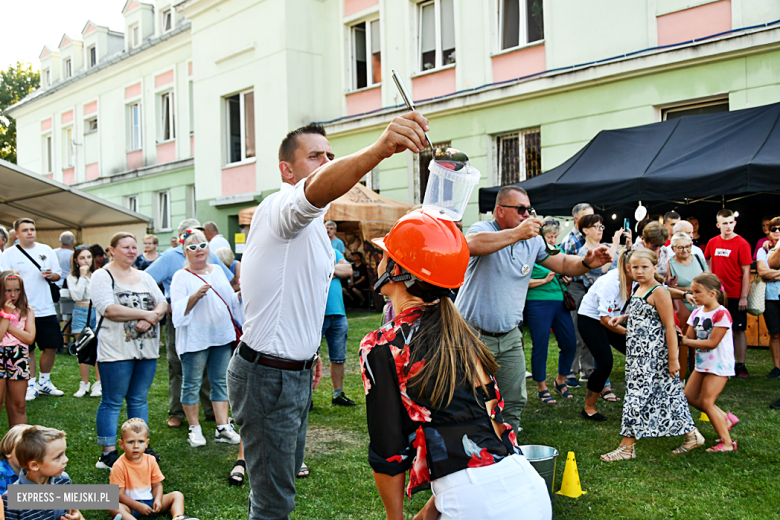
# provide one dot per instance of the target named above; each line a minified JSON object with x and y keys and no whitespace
{"x":444,"y":378}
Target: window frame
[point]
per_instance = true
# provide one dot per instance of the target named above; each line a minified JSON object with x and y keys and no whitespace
{"x":522,"y":39}
{"x":48,"y":140}
{"x":92,"y":49}
{"x":131,"y":142}
{"x":439,"y":50}
{"x":368,"y":57}
{"x":131,"y":203}
{"x":693,"y":105}
{"x":167,"y":100}
{"x":159,"y":223}
{"x":67,"y":68}
{"x":166,"y":13}
{"x":522,"y":152}
{"x":135,"y":35}
{"x":88,"y":125}
{"x":69,"y":155}
{"x":47,"y":77}
{"x":242,"y":123}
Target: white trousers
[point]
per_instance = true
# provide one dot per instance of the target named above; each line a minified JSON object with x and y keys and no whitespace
{"x":499,"y":491}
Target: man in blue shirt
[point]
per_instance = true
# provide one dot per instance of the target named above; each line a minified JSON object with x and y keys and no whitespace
{"x":335,"y":329}
{"x":335,"y":242}
{"x":492,"y":298}
{"x":162,"y":270}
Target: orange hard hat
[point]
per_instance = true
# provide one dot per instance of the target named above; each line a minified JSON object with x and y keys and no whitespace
{"x":432,"y":249}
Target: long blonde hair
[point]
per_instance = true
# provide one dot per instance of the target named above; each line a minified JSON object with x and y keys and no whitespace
{"x":453,"y":355}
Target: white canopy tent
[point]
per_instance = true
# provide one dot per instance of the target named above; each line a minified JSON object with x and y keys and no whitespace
{"x":56,"y":207}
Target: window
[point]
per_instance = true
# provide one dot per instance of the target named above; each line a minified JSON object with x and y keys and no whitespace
{"x":695,"y":109}
{"x":91,"y":56}
{"x":191,"y":209}
{"x":135,"y":36}
{"x":371,"y":180}
{"x":366,"y":55}
{"x":131,"y":202}
{"x":520,"y":22}
{"x":424,"y":159}
{"x":48,"y":160}
{"x":168,"y":117}
{"x":436,"y":34}
{"x":67,"y":156}
{"x":47,"y":77}
{"x":167,"y":20}
{"x":240,"y":110}
{"x":134,"y":127}
{"x":519,"y":156}
{"x":163,"y":222}
{"x":90,"y":126}
{"x":67,"y":68}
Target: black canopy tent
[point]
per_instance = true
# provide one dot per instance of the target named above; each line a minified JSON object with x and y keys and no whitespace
{"x":726,"y":155}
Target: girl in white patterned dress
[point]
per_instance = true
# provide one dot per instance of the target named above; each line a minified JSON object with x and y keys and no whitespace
{"x":655,"y":404}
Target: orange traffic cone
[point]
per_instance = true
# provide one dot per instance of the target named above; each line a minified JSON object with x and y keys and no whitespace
{"x":704,"y":417}
{"x":571,"y":486}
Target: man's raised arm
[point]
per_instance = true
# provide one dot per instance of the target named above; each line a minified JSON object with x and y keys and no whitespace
{"x":334,"y":179}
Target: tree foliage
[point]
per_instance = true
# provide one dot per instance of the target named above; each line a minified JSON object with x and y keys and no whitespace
{"x":15,"y":83}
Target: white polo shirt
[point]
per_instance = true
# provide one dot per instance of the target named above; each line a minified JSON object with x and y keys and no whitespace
{"x":285,"y":275}
{"x":35,"y":285}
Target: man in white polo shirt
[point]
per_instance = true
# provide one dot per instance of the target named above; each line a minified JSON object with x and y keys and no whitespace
{"x":286,"y":272}
{"x":23,"y":257}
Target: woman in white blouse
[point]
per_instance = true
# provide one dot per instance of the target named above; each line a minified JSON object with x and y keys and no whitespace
{"x":82,"y":265}
{"x":204,"y":305}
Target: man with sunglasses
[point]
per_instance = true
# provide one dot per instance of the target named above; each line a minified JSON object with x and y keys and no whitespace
{"x":162,"y":270}
{"x":503,"y":252}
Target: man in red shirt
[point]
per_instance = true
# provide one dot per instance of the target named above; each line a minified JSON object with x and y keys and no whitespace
{"x":728,"y":255}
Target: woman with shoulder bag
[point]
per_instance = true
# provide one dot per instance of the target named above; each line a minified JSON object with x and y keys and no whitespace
{"x":79,"y":284}
{"x":772,"y":296}
{"x":132,"y":306}
{"x":546,"y":309}
{"x":204,"y":308}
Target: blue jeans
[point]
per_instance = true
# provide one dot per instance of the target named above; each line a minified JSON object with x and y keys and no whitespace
{"x":79,"y":319}
{"x":335,"y":328}
{"x":123,"y":381}
{"x":541,"y":316}
{"x":216,"y":360}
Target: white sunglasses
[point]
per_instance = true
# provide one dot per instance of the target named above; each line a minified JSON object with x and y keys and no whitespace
{"x":195,"y":247}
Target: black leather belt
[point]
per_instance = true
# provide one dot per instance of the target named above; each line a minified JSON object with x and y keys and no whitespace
{"x":254,"y":356}
{"x":493,"y":334}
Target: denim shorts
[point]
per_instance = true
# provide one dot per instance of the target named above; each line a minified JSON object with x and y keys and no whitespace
{"x":213,"y":359}
{"x":149,"y":503}
{"x":334,"y":329}
{"x":79,"y":319}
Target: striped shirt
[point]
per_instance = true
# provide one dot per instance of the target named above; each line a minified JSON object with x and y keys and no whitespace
{"x":34,"y":514}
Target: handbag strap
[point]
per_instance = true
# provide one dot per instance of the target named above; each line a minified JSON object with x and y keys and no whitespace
{"x":215,"y":292}
{"x":89,"y":310}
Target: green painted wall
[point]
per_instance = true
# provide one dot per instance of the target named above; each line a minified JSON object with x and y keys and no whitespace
{"x":570,"y":119}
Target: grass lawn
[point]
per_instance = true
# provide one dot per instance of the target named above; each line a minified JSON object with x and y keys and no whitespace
{"x":657,"y":484}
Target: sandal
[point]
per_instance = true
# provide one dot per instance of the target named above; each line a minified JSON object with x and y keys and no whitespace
{"x":732,"y":420}
{"x":722,"y":447}
{"x":623,"y":452}
{"x":183,"y":517}
{"x":546,"y":398}
{"x":237,"y":477}
{"x":563,"y":390}
{"x":692,"y":441}
{"x":610,"y":397}
{"x":303,"y":472}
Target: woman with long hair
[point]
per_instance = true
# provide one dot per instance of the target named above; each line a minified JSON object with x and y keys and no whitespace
{"x":82,"y":265}
{"x":432,"y":402}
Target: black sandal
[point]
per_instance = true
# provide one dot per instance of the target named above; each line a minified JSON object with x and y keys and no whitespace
{"x":546,"y":398}
{"x":563,"y":390}
{"x":237,"y":477}
{"x":610,"y":397}
{"x":303,"y":472}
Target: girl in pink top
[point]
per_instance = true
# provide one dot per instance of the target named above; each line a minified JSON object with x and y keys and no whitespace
{"x":17,"y":332}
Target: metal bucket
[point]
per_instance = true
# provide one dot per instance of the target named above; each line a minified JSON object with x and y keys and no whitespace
{"x":543,"y":459}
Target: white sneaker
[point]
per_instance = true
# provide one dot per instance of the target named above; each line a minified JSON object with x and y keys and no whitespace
{"x":83,"y":389}
{"x":97,"y":389}
{"x":196,"y":438}
{"x":227,"y":434}
{"x":32,"y":392}
{"x":528,"y":374}
{"x":48,"y":388}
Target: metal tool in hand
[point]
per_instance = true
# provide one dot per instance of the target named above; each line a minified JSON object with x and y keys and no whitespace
{"x":408,"y":100}
{"x":551,"y":250}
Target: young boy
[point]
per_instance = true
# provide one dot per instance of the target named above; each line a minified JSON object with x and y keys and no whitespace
{"x":41,"y":455}
{"x":139,"y":478}
{"x":729,"y":258}
{"x":9,"y":466}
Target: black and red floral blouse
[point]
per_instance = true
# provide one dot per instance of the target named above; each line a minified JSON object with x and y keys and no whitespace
{"x":406,"y":431}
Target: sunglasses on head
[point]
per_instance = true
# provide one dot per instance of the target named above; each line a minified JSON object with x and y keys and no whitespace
{"x":551,"y":223}
{"x":82,"y":247}
{"x":195,"y":247}
{"x":520,"y":209}
{"x":655,"y":246}
{"x":774,"y":229}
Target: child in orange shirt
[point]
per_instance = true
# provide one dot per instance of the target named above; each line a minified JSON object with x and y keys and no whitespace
{"x":139,"y":478}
